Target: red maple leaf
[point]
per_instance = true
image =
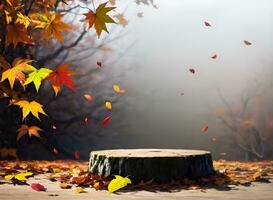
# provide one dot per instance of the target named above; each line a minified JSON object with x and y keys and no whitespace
{"x":62,"y":76}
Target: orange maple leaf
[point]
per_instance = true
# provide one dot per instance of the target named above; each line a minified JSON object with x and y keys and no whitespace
{"x":31,"y":130}
{"x":16,"y":34}
{"x":53,"y":26}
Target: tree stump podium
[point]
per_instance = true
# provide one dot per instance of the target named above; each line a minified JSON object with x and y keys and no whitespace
{"x":161,"y":165}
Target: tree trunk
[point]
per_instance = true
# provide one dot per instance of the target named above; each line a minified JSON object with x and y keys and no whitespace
{"x":161,"y":165}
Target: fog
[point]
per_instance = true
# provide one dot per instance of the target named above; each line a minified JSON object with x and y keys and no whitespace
{"x":170,"y":40}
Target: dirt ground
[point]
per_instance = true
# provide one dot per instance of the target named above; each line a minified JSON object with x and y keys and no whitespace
{"x":257,"y":191}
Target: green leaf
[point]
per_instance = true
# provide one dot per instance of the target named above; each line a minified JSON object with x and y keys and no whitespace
{"x":37,"y":76}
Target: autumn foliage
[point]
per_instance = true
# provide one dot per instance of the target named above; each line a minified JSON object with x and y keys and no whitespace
{"x":27,"y":28}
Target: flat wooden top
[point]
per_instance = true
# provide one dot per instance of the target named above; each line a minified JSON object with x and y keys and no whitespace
{"x":149,"y":153}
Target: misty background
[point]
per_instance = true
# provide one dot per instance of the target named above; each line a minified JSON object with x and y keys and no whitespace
{"x":170,"y":40}
{"x":165,"y":105}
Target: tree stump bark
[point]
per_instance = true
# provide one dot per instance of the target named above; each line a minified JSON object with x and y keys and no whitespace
{"x":161,"y":165}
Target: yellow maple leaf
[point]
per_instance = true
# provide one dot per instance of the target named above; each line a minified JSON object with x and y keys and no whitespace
{"x":22,"y":19}
{"x":17,"y":71}
{"x":99,"y":18}
{"x":20,"y":176}
{"x":32,"y":131}
{"x":30,"y":107}
{"x":37,"y":76}
{"x":117,"y":89}
{"x":118,"y":183}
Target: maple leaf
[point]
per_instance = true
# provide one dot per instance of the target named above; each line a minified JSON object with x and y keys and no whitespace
{"x":30,"y":107}
{"x":22,"y":19}
{"x":121,"y":19}
{"x":17,"y":33}
{"x":20,"y":176}
{"x":62,"y":76}
{"x":16,"y":72}
{"x":118,"y":183}
{"x":37,"y":76}
{"x":99,"y":18}
{"x":53,"y":26}
{"x":32,"y":131}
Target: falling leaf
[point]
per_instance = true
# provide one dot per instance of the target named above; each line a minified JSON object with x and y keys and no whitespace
{"x":20,"y":176}
{"x":118,"y":183}
{"x":88,"y":97}
{"x":117,"y":89}
{"x":247,"y":43}
{"x":79,"y":190}
{"x":38,"y":187}
{"x":55,"y":151}
{"x":86,"y":121}
{"x":54,"y":127}
{"x":214,"y":56}
{"x":37,"y":76}
{"x":30,"y":107}
{"x":207,"y":24}
{"x":121,"y":19}
{"x":77,"y":155}
{"x":64,"y":185}
{"x":32,"y":131}
{"x":106,"y":120}
{"x":140,"y":14}
{"x":16,"y":72}
{"x":62,"y":76}
{"x":99,"y":63}
{"x":99,"y":18}
{"x":192,"y":70}
{"x":108,"y":105}
{"x":205,"y":128}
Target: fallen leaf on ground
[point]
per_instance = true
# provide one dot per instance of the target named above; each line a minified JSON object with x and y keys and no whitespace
{"x":38,"y":187}
{"x":79,"y":190}
{"x":118,"y":183}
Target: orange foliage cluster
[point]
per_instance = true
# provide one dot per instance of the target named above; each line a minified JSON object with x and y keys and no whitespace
{"x":70,"y":174}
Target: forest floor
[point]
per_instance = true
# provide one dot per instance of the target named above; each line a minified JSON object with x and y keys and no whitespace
{"x":234,"y":180}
